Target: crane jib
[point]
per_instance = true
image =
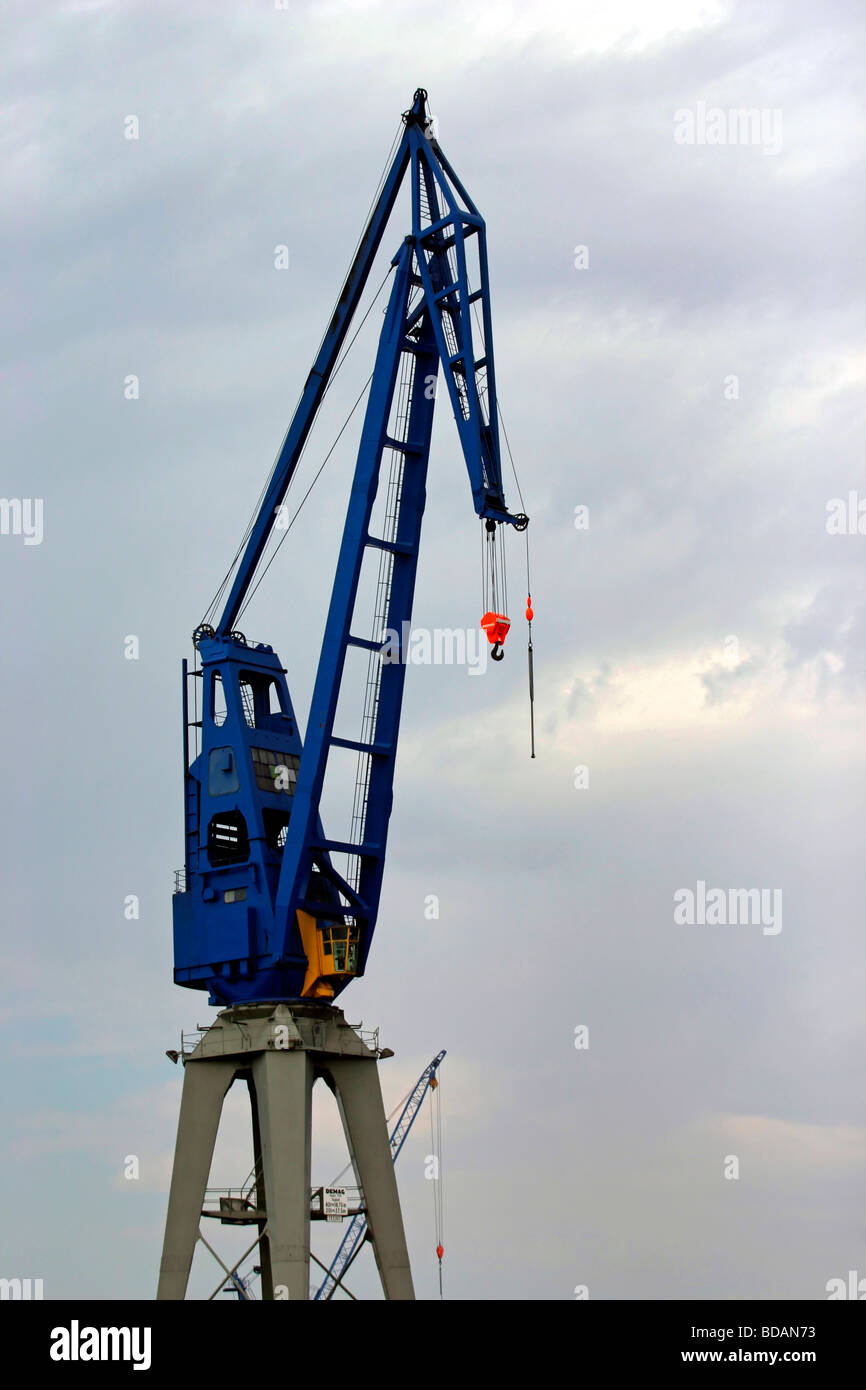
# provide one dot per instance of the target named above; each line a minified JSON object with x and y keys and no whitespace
{"x":268,"y":907}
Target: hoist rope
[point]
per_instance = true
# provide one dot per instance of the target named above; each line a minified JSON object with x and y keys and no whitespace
{"x":214,"y":604}
{"x":438,"y":1178}
{"x":529,"y":610}
{"x":316,"y":478}
{"x":211,"y":611}
{"x":375,"y":198}
{"x":510,"y":457}
{"x":519,"y":493}
{"x":503,"y":569}
{"x":441,"y":1170}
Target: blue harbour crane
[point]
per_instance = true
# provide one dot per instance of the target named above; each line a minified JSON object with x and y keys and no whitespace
{"x":273,"y":914}
{"x":271,"y":907}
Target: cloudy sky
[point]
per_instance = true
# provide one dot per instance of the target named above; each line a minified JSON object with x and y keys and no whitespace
{"x":693,"y":378}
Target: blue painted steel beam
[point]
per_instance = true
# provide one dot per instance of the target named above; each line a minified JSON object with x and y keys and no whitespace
{"x":299,"y":852}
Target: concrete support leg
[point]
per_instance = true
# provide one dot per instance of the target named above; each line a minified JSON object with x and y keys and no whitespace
{"x":261,"y":1197}
{"x":359,"y":1096}
{"x":204,"y":1088}
{"x":283,"y":1083}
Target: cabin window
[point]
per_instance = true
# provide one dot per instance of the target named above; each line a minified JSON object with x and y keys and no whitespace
{"x":218,"y":709}
{"x":222,"y":772}
{"x":227,"y":839}
{"x":275,"y":772}
{"x":260,"y":698}
{"x":248,"y":701}
{"x":342,"y":943}
{"x":276,"y":827}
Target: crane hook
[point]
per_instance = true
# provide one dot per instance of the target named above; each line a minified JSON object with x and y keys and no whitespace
{"x":496,"y":652}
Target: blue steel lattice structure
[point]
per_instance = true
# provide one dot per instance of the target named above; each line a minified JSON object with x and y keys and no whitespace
{"x":269,"y":907}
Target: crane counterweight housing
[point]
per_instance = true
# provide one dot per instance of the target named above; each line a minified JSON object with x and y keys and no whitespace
{"x":269,"y":908}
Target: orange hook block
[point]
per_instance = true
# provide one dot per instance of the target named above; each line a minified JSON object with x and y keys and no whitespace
{"x":496,"y":626}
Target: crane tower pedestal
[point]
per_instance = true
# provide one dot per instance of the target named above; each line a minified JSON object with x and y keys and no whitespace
{"x":280,"y":1050}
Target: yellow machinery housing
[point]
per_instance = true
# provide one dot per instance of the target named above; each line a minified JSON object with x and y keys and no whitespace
{"x":332,"y":955}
